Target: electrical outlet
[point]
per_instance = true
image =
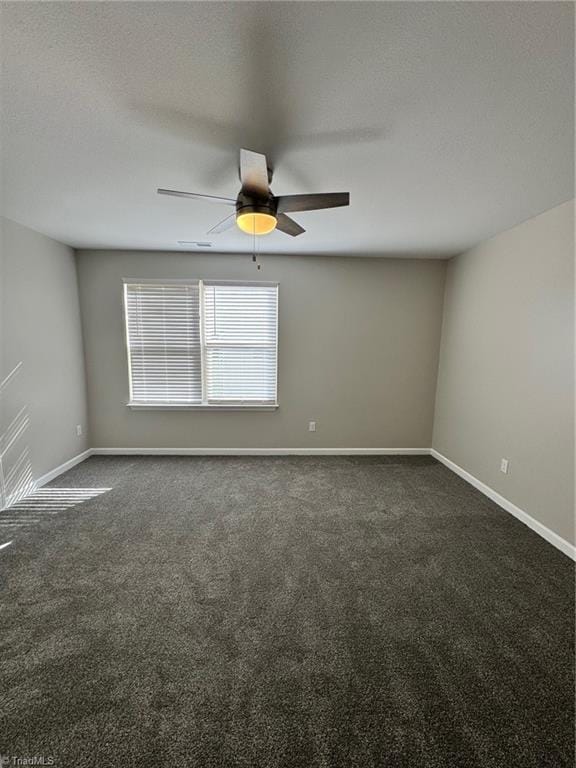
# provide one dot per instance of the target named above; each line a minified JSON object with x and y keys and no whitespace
{"x":311,"y":426}
{"x":504,"y":466}
{"x":79,"y":430}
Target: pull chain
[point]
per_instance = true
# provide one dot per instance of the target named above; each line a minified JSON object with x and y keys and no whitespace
{"x":254,"y":259}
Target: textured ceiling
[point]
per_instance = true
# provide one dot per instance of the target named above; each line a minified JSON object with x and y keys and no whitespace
{"x":447,"y":122}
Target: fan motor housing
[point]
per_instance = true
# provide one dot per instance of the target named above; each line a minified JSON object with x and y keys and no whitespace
{"x":247,"y":204}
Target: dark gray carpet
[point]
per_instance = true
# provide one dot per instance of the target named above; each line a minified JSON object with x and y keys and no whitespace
{"x":285,"y":613}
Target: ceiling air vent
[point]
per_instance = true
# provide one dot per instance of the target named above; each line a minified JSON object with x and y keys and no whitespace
{"x":194,"y":244}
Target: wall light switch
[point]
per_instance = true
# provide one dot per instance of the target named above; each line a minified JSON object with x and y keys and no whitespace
{"x":504,"y":466}
{"x":311,"y":426}
{"x":79,"y":429}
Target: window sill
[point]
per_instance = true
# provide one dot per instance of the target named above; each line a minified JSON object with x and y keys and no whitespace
{"x":211,"y":407}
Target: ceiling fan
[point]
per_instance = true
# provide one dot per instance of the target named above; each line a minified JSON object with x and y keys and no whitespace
{"x":257,"y":210}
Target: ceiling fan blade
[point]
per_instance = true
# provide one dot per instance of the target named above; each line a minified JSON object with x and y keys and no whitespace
{"x":254,"y":173}
{"x":223,"y":225}
{"x":289,"y":226}
{"x":195,"y":196}
{"x":287,"y":203}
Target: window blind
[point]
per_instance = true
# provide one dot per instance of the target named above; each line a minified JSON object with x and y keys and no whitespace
{"x":201,"y":343}
{"x":163,"y":336}
{"x":240,"y":329}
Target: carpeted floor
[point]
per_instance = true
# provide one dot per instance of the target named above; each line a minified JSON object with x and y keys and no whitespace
{"x":293,"y":612}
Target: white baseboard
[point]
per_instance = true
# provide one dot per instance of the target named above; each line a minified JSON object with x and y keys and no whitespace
{"x":260,"y":451}
{"x":551,"y":537}
{"x":63,"y":468}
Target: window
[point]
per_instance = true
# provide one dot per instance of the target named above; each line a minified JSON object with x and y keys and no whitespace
{"x":201,"y":343}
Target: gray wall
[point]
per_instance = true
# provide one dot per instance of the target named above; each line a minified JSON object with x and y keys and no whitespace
{"x":506,"y":374}
{"x":358,"y":352}
{"x":40,"y":322}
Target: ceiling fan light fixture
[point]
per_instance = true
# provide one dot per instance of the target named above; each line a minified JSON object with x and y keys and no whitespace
{"x":258,"y":211}
{"x":256,"y":222}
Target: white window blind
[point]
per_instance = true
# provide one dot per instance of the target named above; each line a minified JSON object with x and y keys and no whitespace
{"x":240,"y":342}
{"x":163,"y":334}
{"x":201,"y":343}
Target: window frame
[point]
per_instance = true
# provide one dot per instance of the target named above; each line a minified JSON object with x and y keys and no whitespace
{"x":205,"y":405}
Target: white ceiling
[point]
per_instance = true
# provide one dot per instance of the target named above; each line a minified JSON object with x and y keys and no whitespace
{"x":447,"y":122}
